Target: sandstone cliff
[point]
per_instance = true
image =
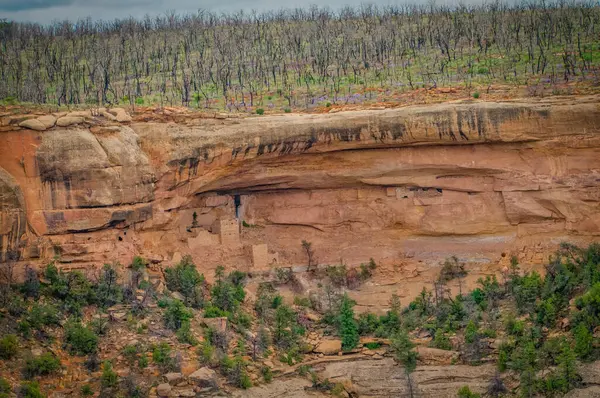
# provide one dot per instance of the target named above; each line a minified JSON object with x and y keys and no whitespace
{"x":406,"y":187}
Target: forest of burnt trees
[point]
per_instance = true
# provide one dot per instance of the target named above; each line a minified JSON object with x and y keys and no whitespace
{"x":297,"y":57}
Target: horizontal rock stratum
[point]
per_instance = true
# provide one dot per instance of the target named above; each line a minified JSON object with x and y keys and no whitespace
{"x":406,"y":187}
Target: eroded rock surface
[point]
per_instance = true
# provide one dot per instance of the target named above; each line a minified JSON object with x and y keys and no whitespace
{"x":406,"y":187}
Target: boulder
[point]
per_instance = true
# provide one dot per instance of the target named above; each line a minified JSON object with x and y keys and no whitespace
{"x":47,"y":120}
{"x":163,"y":390}
{"x":178,"y":296}
{"x":329,"y":347}
{"x":204,"y":377}
{"x":173,"y":378}
{"x":219,"y":324}
{"x":33,"y":124}
{"x":66,"y":121}
{"x":120,"y":115}
{"x":436,"y":356}
{"x":184,"y":392}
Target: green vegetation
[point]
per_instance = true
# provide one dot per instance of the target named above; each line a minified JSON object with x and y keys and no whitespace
{"x":177,"y":315}
{"x":5,"y":388}
{"x":109,"y":377}
{"x":347,"y":325}
{"x":9,"y":346}
{"x":42,"y":365}
{"x":79,"y":339}
{"x":30,"y":389}
{"x":185,"y":279}
{"x":350,"y":56}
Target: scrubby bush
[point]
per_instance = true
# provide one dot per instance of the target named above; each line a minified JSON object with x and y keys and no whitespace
{"x":451,"y":269}
{"x":30,"y":389}
{"x":185,"y":279}
{"x":31,"y":284}
{"x":41,"y":315}
{"x":185,"y":335}
{"x":86,"y":390}
{"x":109,"y":378}
{"x":527,"y":289}
{"x":285,"y":333}
{"x":9,"y":346}
{"x":465,"y":392}
{"x":108,"y":291}
{"x":42,"y":365}
{"x":72,"y":289}
{"x":367,"y":323}
{"x":79,"y":339}
{"x":228,"y":293}
{"x":5,"y":388}
{"x":176,"y":315}
{"x":161,"y":355}
{"x":260,"y":111}
{"x":441,"y":340}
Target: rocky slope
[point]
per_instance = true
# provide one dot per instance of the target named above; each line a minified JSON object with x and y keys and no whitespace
{"x":406,"y":186}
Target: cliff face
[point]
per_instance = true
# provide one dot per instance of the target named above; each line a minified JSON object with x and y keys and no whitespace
{"x":407,"y":187}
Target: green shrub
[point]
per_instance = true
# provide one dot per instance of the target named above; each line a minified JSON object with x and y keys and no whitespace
{"x":206,"y":353}
{"x":16,"y":306}
{"x":287,"y":110}
{"x":527,"y":289}
{"x":72,"y":289}
{"x":109,"y":377}
{"x":130,"y":352}
{"x":284,"y":332}
{"x":242,"y":319}
{"x":302,"y":301}
{"x":9,"y":346}
{"x":260,"y":111}
{"x":583,"y":341}
{"x":367,"y":323}
{"x":176,"y":315}
{"x":228,"y":293}
{"x":4,"y":387}
{"x":30,"y":389}
{"x":143,"y":362}
{"x":108,"y":291}
{"x":214,"y":312}
{"x":476,"y":94}
{"x":43,"y":365}
{"x":452,"y":269}
{"x":42,"y":315}
{"x":373,"y":345}
{"x":139,"y":101}
{"x":86,"y":390}
{"x":161,"y":355}
{"x":465,"y":392}
{"x":441,"y":340}
{"x":267,"y":374}
{"x":328,"y":105}
{"x":80,"y":340}
{"x":31,"y":285}
{"x":185,"y":279}
{"x":471,"y":332}
{"x":185,"y":335}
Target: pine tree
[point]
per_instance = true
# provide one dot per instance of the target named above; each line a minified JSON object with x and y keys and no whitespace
{"x":404,"y":353}
{"x":347,"y":324}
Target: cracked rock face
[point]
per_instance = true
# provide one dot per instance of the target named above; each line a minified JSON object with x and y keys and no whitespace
{"x":406,"y":187}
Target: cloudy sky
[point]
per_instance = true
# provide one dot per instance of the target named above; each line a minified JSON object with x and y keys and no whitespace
{"x":46,"y":11}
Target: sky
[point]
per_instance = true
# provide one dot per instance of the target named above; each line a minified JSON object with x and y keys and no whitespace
{"x":47,"y":11}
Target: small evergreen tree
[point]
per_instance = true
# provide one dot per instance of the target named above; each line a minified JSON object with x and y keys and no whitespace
{"x":404,"y":353}
{"x":347,"y":324}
